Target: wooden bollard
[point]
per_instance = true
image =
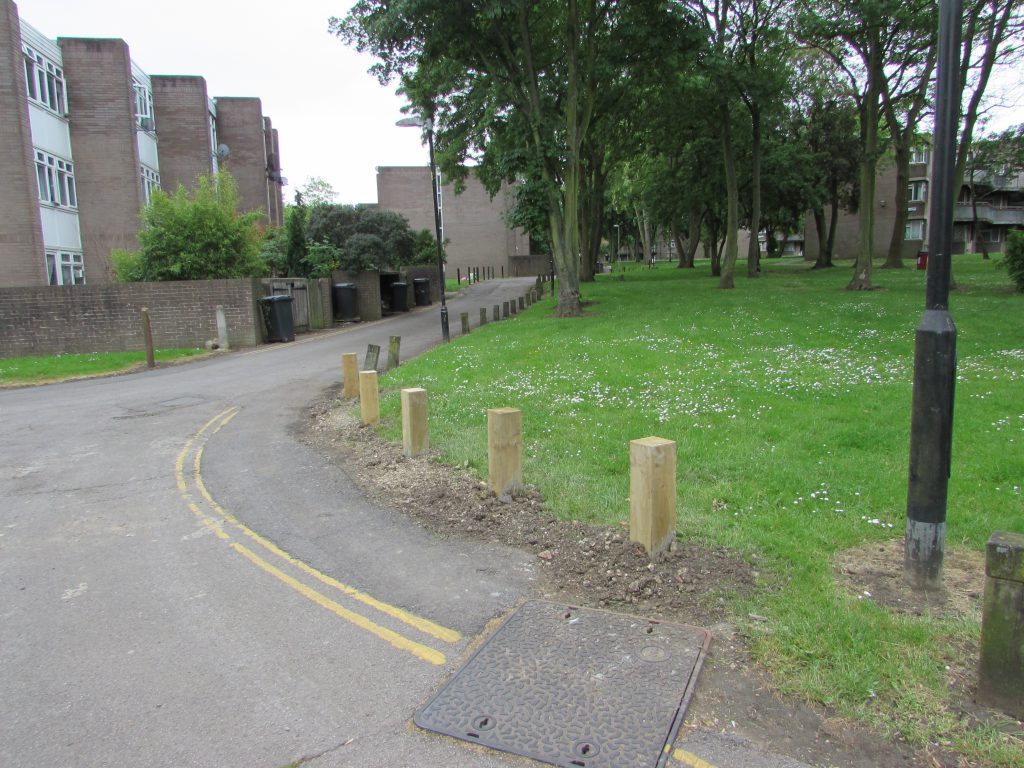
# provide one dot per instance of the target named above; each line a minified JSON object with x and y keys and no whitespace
{"x":369,"y":397}
{"x":372,"y":357}
{"x":483,"y":315}
{"x":394,"y":346}
{"x":529,"y":298}
{"x":496,"y":313}
{"x":350,"y":375}
{"x":465,"y":322}
{"x":414,"y":422}
{"x":504,"y":309}
{"x":1001,"y":672}
{"x":652,"y":493}
{"x":147,"y":339}
{"x":522,"y":303}
{"x":504,"y":449}
{"x":512,"y":307}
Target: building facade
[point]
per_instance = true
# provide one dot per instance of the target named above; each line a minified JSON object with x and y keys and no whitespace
{"x":87,"y":136}
{"x":472,"y":223}
{"x":1000,"y":207}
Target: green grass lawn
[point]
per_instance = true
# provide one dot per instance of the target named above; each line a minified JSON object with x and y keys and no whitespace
{"x":19,"y":371}
{"x":789,"y":399}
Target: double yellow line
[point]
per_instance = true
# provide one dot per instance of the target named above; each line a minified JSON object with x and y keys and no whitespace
{"x":215,"y":518}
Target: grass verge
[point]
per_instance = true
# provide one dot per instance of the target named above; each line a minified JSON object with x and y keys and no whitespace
{"x":789,"y":399}
{"x":21,"y":371}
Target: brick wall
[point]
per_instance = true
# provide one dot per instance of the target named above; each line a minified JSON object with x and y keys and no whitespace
{"x":367,"y":292}
{"x":240,"y":126}
{"x":102,"y":105}
{"x":106,"y":318}
{"x":182,"y":118}
{"x":21,"y":233}
{"x":413,"y":273}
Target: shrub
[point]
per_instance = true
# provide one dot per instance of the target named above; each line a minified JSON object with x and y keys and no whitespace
{"x":1013,"y":259}
{"x":201,"y":236}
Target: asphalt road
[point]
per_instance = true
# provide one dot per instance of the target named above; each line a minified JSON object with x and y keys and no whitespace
{"x":184,"y":584}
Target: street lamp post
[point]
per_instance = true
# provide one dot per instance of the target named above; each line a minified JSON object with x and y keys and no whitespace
{"x":931,"y":420}
{"x":428,"y":126}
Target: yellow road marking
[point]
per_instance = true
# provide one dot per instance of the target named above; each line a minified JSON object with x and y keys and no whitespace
{"x":416,"y":649}
{"x":690,"y":759}
{"x":216,"y":526}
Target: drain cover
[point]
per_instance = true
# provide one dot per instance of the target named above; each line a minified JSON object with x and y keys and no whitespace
{"x":574,"y":687}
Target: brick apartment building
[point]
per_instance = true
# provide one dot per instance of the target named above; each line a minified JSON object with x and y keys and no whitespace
{"x":1000,"y":209}
{"x":473,"y":224}
{"x":86,"y":136}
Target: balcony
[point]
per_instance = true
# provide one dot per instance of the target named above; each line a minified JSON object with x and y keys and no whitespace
{"x":991,"y":214}
{"x":1008,"y":182}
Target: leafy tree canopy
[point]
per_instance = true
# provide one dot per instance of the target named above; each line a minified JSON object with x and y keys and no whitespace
{"x":384,"y":237}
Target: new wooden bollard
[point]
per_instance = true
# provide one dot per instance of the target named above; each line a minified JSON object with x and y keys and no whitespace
{"x":483,"y":315}
{"x":1001,"y":672}
{"x":465,"y":322}
{"x":504,"y":309}
{"x":504,"y":449}
{"x":495,"y":313}
{"x":414,"y":422}
{"x":652,"y":493}
{"x":350,"y":375}
{"x":394,"y":347}
{"x":147,"y":339}
{"x":369,"y":397}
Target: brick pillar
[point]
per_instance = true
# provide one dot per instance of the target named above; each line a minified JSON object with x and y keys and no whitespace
{"x":181,"y":107}
{"x":240,"y":126}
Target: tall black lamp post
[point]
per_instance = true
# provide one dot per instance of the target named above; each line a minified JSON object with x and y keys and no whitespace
{"x":931,"y":422}
{"x":428,"y":126}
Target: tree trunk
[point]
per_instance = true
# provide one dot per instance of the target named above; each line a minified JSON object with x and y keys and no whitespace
{"x":643,"y":225}
{"x":732,"y":202}
{"x":754,"y":247}
{"x":824,"y":257}
{"x":894,"y":258}
{"x":869,"y":130}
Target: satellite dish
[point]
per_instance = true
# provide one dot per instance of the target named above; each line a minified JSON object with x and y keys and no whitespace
{"x":223,"y":151}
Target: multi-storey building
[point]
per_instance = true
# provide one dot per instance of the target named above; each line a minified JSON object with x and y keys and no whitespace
{"x":86,"y":137}
{"x":1000,"y":208}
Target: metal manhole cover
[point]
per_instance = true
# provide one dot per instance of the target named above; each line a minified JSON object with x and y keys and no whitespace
{"x":574,"y":687}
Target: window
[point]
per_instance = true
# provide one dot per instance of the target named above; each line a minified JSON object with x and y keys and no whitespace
{"x":55,"y":179}
{"x":143,"y":106}
{"x":150,"y":181}
{"x":992,"y":235}
{"x":917,"y":191}
{"x":45,"y":82}
{"x":914,"y":230}
{"x":64,"y":268}
{"x":919,"y":156}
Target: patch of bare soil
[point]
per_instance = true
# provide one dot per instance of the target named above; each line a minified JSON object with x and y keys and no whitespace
{"x":597,"y":566}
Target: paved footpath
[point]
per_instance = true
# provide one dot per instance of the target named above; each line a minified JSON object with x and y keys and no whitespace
{"x":182,"y":583}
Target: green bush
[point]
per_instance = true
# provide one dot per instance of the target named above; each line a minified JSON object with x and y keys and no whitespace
{"x":201,"y":236}
{"x":1013,"y":260}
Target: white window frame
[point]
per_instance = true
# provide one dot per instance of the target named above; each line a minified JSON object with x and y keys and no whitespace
{"x":143,"y":106}
{"x":55,"y":180}
{"x":65,"y":268}
{"x":150,"y":181}
{"x":912,"y":226}
{"x":917,"y":192}
{"x":45,"y":82}
{"x":919,"y":156}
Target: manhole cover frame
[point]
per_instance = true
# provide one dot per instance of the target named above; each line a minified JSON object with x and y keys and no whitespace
{"x":583,"y":750}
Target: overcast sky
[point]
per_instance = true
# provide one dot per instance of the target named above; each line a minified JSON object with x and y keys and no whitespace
{"x":335,"y":121}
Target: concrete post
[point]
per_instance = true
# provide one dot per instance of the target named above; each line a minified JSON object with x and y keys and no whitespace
{"x":350,"y":375}
{"x":504,"y":449}
{"x":222,"y":328}
{"x":414,"y":422}
{"x":1001,"y":672}
{"x":465,"y":322}
{"x":652,"y":493}
{"x":369,"y":397}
